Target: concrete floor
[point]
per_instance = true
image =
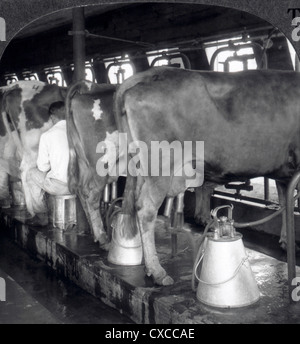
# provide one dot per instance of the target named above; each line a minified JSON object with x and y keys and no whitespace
{"x":78,"y":259}
{"x":36,"y":295}
{"x":21,"y":308}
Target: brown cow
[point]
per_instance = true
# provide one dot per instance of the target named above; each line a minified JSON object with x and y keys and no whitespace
{"x":249,"y":122}
{"x":90,"y":121}
{"x":24,"y":117}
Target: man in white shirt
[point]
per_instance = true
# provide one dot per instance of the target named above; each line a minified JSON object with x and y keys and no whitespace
{"x":52,"y":164}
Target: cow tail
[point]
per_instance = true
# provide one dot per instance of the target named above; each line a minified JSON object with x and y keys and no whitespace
{"x":16,"y":138}
{"x":75,"y":148}
{"x":129,"y":224}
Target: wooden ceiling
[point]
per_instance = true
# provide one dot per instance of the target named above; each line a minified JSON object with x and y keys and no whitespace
{"x":46,"y":41}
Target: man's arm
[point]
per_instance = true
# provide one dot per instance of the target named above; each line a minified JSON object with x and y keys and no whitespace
{"x":43,"y":162}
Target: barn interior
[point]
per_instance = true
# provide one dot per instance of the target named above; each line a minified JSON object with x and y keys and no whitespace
{"x":140,"y":35}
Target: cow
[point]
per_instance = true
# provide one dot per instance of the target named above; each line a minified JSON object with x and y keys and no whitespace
{"x":249,"y":122}
{"x":90,"y":121}
{"x":24,"y":117}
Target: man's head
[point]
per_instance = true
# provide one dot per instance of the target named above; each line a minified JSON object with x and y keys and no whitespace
{"x":57,"y":111}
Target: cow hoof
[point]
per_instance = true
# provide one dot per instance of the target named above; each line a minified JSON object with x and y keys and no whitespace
{"x":103,"y":242}
{"x":166,"y":280}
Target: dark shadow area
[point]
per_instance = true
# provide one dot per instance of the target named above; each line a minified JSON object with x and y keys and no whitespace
{"x":66,"y":302}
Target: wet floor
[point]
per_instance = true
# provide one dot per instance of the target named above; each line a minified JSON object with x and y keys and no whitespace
{"x":36,"y":295}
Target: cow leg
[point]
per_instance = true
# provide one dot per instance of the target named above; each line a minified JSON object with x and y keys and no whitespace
{"x":95,"y":221}
{"x":4,"y":189}
{"x":35,"y":194}
{"x":27,"y":194}
{"x":202,"y":203}
{"x":282,"y":189}
{"x":150,"y":198}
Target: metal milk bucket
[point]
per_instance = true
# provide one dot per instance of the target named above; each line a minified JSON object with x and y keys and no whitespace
{"x":226,"y":279}
{"x":124,"y":250}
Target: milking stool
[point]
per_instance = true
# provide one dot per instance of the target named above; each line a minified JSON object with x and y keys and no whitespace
{"x":62,"y":211}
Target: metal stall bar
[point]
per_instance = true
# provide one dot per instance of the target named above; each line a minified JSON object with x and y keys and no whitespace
{"x":290,"y":231}
{"x":266,"y":189}
{"x":78,"y":43}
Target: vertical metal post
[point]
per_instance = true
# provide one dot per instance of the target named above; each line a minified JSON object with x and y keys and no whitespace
{"x":114,"y":191}
{"x":297,"y":63}
{"x":78,"y":43}
{"x":290,"y":231}
{"x":266,"y":189}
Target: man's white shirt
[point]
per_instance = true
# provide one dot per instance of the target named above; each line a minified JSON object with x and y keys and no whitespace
{"x":53,"y":155}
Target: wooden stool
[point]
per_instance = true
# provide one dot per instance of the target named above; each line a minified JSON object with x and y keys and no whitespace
{"x":62,"y":211}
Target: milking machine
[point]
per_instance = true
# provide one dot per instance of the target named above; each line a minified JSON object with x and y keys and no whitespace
{"x":109,"y":201}
{"x":222,"y":267}
{"x":176,"y":217}
{"x":123,"y":250}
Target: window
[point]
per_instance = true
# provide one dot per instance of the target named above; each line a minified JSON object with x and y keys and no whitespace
{"x":165,"y":58}
{"x":10,"y":78}
{"x":30,"y":76}
{"x":119,"y":69}
{"x":227,"y":56}
{"x":89,"y":72}
{"x":55,"y":76}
